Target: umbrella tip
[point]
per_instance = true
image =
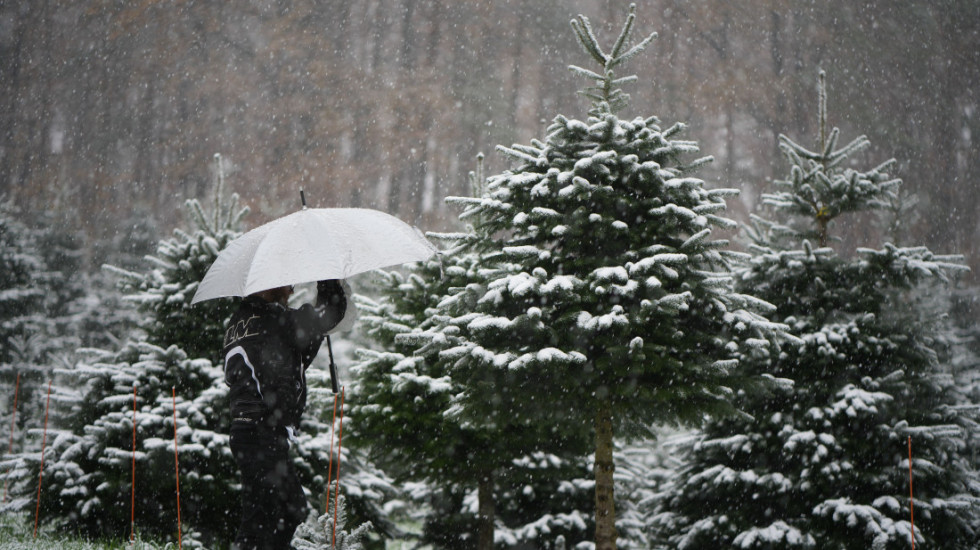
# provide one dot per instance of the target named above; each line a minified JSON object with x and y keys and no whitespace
{"x":302,"y":197}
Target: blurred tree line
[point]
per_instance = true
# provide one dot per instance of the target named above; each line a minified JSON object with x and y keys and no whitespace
{"x":110,"y":110}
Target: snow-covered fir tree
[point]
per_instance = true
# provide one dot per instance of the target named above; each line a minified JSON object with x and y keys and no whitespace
{"x":101,"y":317}
{"x":20,"y":265}
{"x":825,"y":463}
{"x":966,"y":364}
{"x":957,"y":341}
{"x":88,"y":470}
{"x":489,"y":483}
{"x":138,"y":237}
{"x":643,"y":467}
{"x":330,"y":531}
{"x":40,"y":292}
{"x":104,"y":318}
{"x":64,"y":281}
{"x":164,"y":292}
{"x":610,"y":306}
{"x":323,"y":448}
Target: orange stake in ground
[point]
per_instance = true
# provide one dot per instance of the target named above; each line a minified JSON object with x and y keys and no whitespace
{"x":180,"y":543}
{"x":911,"y":500}
{"x":333,"y":423}
{"x":40,"y":475}
{"x":336,"y":493}
{"x":132,"y":504}
{"x":10,"y":449}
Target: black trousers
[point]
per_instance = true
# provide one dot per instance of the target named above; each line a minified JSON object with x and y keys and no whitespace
{"x":273,"y":503}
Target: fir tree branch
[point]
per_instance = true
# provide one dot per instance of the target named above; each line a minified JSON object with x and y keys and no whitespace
{"x":633,"y":51}
{"x":586,"y":73}
{"x":587,"y":38}
{"x":625,"y":80}
{"x":519,"y":155}
{"x":625,"y":33}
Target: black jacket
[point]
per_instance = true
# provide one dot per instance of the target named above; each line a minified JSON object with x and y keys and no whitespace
{"x":267,"y":349}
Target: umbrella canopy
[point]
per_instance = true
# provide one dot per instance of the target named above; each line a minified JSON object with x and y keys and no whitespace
{"x":311,"y":245}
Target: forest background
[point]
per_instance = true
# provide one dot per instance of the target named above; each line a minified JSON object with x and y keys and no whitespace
{"x":110,"y":112}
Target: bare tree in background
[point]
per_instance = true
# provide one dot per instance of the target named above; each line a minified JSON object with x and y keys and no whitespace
{"x":374,"y":103}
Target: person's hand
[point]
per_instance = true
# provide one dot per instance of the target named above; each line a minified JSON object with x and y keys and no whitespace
{"x":331,"y":293}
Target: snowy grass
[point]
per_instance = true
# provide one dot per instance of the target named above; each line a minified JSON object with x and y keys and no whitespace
{"x":17,"y":533}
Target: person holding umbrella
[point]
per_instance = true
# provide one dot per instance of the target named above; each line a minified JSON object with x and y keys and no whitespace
{"x":268,"y":347}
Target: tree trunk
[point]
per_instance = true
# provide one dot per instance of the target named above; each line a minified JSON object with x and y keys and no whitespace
{"x":486,"y":513}
{"x":605,"y":509}
{"x":11,"y":75}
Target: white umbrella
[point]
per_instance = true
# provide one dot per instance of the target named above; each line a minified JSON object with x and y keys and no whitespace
{"x":311,"y":245}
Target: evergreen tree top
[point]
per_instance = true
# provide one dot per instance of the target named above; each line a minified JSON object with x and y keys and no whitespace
{"x":605,"y":93}
{"x":597,"y":258}
{"x":165,"y":289}
{"x":820,"y":188}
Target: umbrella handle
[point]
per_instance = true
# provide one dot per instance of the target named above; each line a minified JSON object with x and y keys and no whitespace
{"x":334,"y":379}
